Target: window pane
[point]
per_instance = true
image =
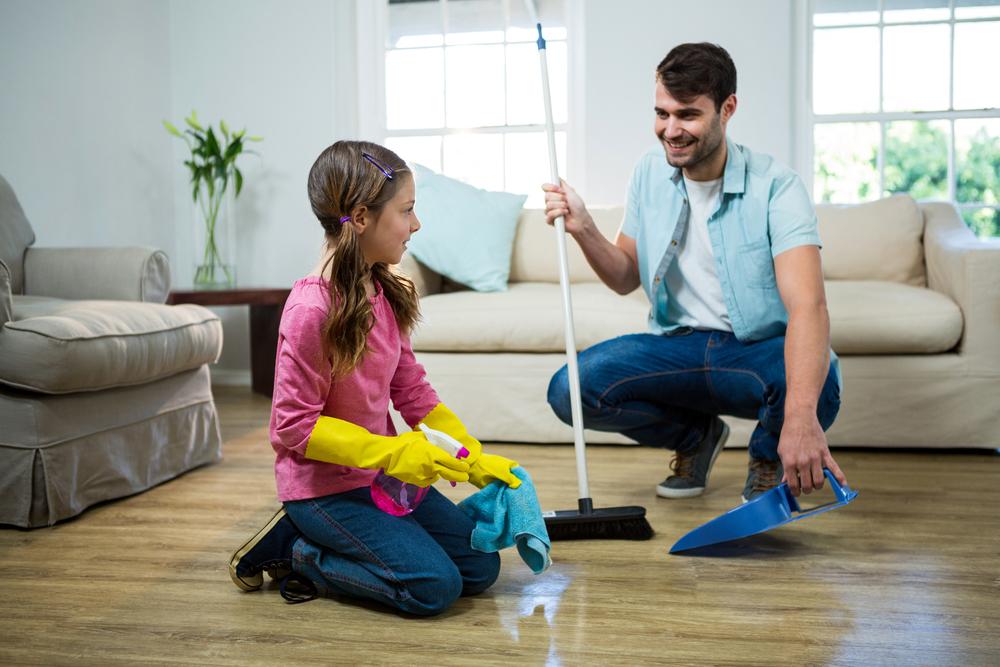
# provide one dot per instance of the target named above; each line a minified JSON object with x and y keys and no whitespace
{"x":528,"y":164}
{"x":414,"y":24}
{"x":525,"y":105}
{"x":846,"y":159}
{"x":977,"y":160}
{"x":845,"y":70}
{"x":425,"y":151}
{"x":916,"y":67}
{"x":475,"y":86}
{"x":414,"y":88}
{"x":985,"y":222}
{"x":900,"y":11}
{"x":916,"y":159}
{"x":845,"y":12}
{"x":476,"y":159}
{"x":976,"y":9}
{"x":550,"y":14}
{"x":475,"y":22}
{"x":977,"y":85}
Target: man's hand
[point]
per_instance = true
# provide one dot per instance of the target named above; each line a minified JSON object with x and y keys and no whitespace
{"x":804,"y":453}
{"x":563,"y":200}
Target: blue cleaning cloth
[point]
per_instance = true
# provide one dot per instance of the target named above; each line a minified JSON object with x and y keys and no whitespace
{"x":507,"y":517}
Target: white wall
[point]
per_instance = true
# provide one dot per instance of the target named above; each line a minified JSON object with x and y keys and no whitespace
{"x":83,"y":86}
{"x":623,"y":43}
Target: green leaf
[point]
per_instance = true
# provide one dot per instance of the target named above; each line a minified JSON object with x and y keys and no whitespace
{"x":225,"y":130}
{"x":212,"y":145}
{"x":255,"y":138}
{"x":172,"y":130}
{"x":192,"y":122}
{"x":239,"y":181}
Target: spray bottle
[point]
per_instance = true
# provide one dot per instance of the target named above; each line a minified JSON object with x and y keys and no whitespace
{"x":398,"y":498}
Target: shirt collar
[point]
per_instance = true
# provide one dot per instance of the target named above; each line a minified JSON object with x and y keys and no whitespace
{"x":734,"y":175}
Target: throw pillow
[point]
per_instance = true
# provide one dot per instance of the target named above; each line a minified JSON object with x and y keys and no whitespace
{"x":466,"y":234}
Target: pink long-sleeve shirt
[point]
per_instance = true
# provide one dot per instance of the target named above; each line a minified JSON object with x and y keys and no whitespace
{"x":304,"y":389}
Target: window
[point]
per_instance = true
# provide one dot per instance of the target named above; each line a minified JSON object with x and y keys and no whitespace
{"x":906,"y":98}
{"x":463,"y":90}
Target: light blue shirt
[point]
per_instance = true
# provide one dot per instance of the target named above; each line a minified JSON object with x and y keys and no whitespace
{"x":763,"y":211}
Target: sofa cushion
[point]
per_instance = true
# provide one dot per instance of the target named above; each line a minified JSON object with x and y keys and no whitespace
{"x":469,"y":231}
{"x":880,"y":317}
{"x":881,"y":240}
{"x":535,"y":258}
{"x":527,"y":317}
{"x":57,"y":346}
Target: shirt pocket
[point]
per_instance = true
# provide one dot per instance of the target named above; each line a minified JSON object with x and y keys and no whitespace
{"x":756,"y":264}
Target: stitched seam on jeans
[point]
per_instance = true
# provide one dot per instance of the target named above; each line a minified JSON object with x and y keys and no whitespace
{"x":600,"y":399}
{"x":373,"y":558}
{"x":340,"y":578}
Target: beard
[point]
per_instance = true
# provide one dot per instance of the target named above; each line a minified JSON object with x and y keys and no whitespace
{"x":704,"y":147}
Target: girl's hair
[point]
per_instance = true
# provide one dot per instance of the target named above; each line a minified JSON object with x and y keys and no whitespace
{"x":347,"y":175}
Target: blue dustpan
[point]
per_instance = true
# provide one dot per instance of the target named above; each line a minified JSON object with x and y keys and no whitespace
{"x":769,"y":510}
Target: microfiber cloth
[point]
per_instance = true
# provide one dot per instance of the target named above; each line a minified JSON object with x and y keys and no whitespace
{"x":506,"y":517}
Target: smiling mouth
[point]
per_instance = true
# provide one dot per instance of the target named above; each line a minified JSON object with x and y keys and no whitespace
{"x":679,"y":145}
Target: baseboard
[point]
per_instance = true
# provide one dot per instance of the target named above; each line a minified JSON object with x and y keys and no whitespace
{"x":230,"y":377}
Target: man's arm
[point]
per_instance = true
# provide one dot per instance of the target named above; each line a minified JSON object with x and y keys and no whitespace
{"x":615,"y":263}
{"x":803,"y":447}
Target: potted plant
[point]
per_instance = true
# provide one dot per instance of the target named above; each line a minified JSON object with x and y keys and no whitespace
{"x":213,"y":170}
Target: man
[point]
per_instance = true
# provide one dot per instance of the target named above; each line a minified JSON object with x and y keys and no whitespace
{"x":723,"y":240}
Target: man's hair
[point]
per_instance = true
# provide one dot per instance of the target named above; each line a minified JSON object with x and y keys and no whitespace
{"x":690,"y":70}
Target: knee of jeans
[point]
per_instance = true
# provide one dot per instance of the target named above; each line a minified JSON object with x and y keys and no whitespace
{"x":482,"y":574}
{"x":829,"y":406}
{"x":435,"y":592}
{"x":558,"y":395}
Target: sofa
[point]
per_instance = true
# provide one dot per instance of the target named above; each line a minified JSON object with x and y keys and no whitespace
{"x":914,"y":302}
{"x":104,"y":391}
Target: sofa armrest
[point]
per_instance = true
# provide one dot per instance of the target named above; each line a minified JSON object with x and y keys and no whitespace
{"x":120,"y":274}
{"x":425,"y":280}
{"x":967,"y":270}
{"x":6,"y":302}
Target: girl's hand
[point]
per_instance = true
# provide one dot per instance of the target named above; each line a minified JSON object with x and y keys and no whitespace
{"x":489,"y":467}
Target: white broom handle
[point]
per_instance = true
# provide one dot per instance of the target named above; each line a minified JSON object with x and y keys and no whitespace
{"x":571,"y":365}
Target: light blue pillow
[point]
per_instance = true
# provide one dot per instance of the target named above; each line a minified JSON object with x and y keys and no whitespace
{"x":466,"y":234}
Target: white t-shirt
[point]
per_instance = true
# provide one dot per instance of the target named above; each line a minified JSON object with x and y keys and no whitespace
{"x":695,"y":294}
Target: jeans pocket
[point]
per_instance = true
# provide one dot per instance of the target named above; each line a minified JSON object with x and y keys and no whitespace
{"x":756,"y":264}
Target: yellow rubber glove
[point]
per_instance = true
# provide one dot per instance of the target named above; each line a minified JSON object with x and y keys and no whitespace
{"x":408,"y":457}
{"x":443,"y":419}
{"x":484,"y":468}
{"x":489,"y":467}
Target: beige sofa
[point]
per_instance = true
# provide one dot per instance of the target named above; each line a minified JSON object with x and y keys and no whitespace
{"x":914,"y":301}
{"x":104,"y":391}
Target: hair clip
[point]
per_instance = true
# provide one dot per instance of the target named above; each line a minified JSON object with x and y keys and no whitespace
{"x":344,"y":219}
{"x":378,"y":165}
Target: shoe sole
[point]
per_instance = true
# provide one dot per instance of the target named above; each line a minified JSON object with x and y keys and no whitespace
{"x":667,"y":492}
{"x":254,"y":582}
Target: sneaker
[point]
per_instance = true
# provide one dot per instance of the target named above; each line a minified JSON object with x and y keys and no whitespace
{"x":763,"y":476}
{"x":270,"y":550}
{"x":691,"y":468}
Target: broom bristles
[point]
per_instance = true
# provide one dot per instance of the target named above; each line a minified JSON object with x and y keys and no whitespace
{"x":609,"y":523}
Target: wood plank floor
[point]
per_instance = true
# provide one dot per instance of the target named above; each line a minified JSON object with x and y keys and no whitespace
{"x":908,"y":574}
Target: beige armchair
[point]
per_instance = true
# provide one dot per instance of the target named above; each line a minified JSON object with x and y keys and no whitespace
{"x":104,"y":391}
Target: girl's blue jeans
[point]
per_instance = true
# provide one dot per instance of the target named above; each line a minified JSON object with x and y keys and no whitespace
{"x":663,"y":390}
{"x":420,"y":563}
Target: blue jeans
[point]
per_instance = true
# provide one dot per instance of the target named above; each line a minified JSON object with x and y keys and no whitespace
{"x":419,"y":563}
{"x":664,"y":390}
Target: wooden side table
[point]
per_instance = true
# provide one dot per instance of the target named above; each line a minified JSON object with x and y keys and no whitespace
{"x":266,"y":304}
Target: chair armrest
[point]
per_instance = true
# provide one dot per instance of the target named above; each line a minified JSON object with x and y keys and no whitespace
{"x":425,"y":280}
{"x":6,"y":303}
{"x":966,"y":269}
{"x":120,"y":274}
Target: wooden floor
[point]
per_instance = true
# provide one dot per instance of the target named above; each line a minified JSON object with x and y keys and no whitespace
{"x":908,"y":574}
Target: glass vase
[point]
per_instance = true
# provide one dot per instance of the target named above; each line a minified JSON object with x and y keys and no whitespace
{"x":214,"y":238}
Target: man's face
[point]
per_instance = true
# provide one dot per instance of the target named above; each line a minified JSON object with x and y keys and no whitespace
{"x":692,"y":131}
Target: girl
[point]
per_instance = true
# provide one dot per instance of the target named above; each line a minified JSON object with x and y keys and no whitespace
{"x":343,"y":353}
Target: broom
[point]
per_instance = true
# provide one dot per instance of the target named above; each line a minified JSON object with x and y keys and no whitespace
{"x":585,"y":522}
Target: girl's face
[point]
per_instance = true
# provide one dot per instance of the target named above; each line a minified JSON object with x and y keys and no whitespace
{"x":384,"y":239}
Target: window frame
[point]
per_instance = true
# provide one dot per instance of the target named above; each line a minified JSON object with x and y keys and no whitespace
{"x":804,"y":76}
{"x":372,"y":19}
